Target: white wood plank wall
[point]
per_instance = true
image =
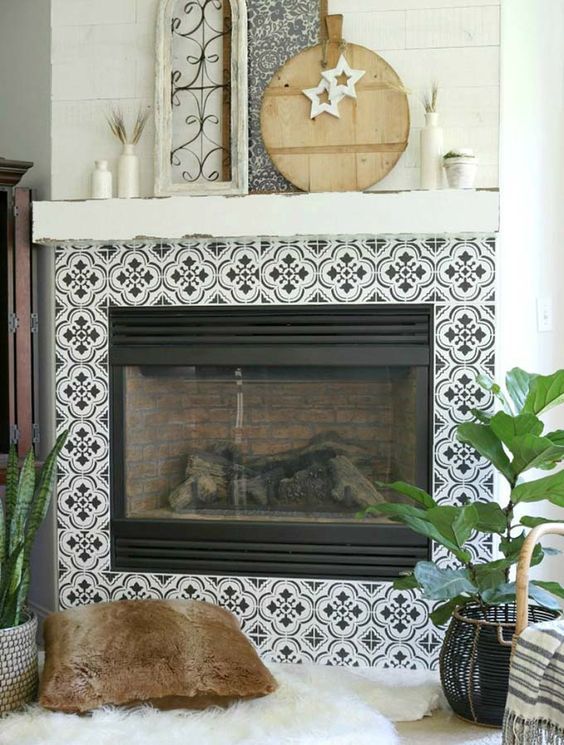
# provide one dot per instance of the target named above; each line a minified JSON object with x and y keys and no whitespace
{"x":102,"y":55}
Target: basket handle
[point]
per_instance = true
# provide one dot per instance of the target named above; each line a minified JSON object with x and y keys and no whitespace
{"x":523,"y":568}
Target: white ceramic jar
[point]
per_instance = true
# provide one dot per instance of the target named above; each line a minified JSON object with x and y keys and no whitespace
{"x":128,"y":173}
{"x":432,"y":152}
{"x":101,"y":182}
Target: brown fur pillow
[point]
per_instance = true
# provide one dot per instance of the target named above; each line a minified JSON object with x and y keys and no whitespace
{"x":169,"y":653}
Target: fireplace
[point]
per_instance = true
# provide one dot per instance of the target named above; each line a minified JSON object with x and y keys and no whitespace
{"x":245,"y":440}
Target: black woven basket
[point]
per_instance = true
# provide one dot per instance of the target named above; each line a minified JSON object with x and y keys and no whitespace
{"x":474,"y":662}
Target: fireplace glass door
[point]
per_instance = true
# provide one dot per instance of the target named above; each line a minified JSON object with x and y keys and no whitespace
{"x":258,"y":436}
{"x":272,"y":443}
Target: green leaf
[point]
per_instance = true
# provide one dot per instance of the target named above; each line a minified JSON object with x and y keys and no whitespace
{"x":488,"y":383}
{"x":518,"y":382}
{"x":443,"y":612}
{"x":533,"y":522}
{"x":418,"y":520}
{"x":545,"y":392}
{"x":553,"y":587}
{"x":484,"y":517}
{"x":444,"y":519}
{"x":507,"y":427}
{"x":491,"y":575}
{"x":550,"y":488}
{"x":12,"y":476}
{"x":442,"y":584}
{"x":483,"y":439}
{"x":556,"y":437}
{"x":531,"y":451}
{"x":408,"y":490}
{"x":481,"y":416}
{"x":506,"y":593}
{"x":26,"y":486}
{"x":409,"y":582}
{"x":512,"y":549}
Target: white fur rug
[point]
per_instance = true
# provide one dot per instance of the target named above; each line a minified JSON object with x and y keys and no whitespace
{"x":315,"y":705}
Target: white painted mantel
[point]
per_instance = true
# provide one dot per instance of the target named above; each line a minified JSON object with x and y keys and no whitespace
{"x":350,"y":213}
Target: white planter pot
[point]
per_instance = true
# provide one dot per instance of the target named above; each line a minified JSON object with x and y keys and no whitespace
{"x":461,"y":172}
{"x":101,"y":181}
{"x":128,"y":173}
{"x":18,"y":665}
{"x":432,"y":153}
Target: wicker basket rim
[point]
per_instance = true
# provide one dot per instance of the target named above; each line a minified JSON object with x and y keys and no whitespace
{"x":503,"y":624}
{"x":31,"y":620}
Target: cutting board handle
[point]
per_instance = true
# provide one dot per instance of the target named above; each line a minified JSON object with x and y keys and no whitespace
{"x":334,"y":27}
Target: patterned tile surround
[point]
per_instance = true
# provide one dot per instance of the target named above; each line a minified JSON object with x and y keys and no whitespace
{"x":328,"y":621}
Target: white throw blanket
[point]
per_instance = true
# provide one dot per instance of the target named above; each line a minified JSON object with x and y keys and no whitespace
{"x":314,"y":705}
{"x":535,"y":706}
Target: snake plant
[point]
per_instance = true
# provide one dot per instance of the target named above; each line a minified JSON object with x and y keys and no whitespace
{"x":26,"y":501}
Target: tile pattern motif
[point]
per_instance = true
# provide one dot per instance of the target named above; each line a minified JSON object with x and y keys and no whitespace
{"x":334,"y":622}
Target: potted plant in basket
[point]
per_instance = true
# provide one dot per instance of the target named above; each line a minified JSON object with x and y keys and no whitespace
{"x":25,"y":504}
{"x":478,"y":596}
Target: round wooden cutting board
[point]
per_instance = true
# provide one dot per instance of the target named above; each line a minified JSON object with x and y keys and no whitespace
{"x":349,"y":153}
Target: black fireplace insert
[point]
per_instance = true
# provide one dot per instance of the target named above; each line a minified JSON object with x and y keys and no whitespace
{"x":247,"y":440}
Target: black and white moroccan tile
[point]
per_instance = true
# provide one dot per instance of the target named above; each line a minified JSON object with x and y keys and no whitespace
{"x":336,"y":622}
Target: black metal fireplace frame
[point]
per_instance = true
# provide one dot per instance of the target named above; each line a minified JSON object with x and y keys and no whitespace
{"x":278,"y":335}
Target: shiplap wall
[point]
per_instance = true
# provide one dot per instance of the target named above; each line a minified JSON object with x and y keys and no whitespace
{"x":103,"y":50}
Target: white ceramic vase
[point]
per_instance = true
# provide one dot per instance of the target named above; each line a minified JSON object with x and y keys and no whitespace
{"x":101,"y":184}
{"x":461,"y":171}
{"x":128,"y":173}
{"x":432,"y":153}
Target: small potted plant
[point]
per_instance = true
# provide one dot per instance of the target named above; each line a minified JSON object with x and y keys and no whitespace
{"x":461,"y":166}
{"x":478,"y":596}
{"x":26,"y":501}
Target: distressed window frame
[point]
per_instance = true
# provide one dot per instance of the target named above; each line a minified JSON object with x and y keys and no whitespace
{"x":238,"y":184}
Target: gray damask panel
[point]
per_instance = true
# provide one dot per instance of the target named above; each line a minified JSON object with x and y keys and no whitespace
{"x":333,"y":622}
{"x":278,"y":30}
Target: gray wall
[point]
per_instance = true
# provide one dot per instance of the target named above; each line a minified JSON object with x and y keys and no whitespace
{"x":25,"y":134}
{"x":25,"y":88}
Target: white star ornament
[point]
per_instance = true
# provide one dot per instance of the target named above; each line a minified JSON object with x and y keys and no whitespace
{"x":343,"y":68}
{"x":317,"y":107}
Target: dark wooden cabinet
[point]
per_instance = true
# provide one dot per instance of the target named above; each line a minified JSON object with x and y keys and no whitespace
{"x":17,"y":320}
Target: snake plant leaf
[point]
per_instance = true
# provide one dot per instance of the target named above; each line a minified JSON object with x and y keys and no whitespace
{"x":443,"y":584}
{"x":9,"y":576}
{"x":12,"y":475}
{"x":44,"y":491}
{"x":409,"y":582}
{"x":555,"y":588}
{"x":408,"y":490}
{"x":550,"y":488}
{"x":518,"y":382}
{"x":545,"y":392}
{"x":483,"y":439}
{"x":507,"y":427}
{"x":486,"y":382}
{"x":443,"y":612}
{"x":26,"y":488}
{"x":3,"y":541}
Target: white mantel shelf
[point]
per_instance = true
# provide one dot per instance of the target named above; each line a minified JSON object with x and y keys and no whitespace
{"x":281,"y":215}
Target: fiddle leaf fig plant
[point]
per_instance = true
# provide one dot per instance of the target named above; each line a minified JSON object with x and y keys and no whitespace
{"x":26,"y":501}
{"x":513,"y":440}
